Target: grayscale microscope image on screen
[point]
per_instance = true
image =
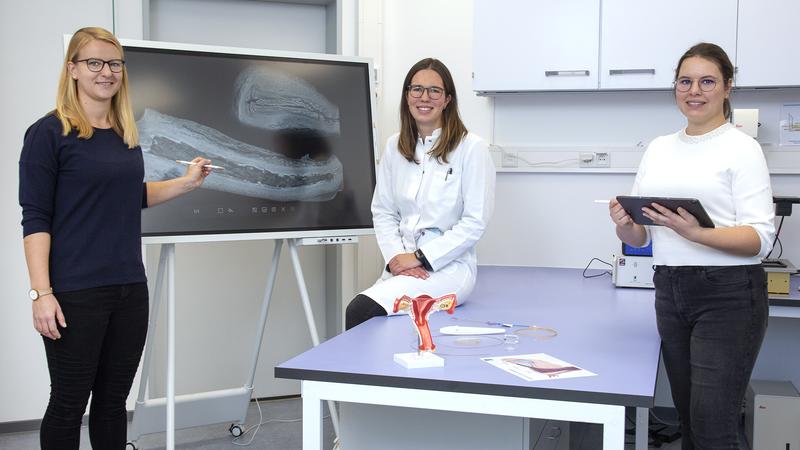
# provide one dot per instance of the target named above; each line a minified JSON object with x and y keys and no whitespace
{"x":294,"y":137}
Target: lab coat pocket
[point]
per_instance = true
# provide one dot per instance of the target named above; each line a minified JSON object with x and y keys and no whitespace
{"x":445,"y":189}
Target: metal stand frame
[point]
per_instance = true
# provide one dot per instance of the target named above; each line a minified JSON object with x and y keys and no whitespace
{"x":205,"y":408}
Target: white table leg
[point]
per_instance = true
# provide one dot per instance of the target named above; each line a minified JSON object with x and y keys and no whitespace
{"x":614,"y":429}
{"x":612,"y":417}
{"x":312,"y":421}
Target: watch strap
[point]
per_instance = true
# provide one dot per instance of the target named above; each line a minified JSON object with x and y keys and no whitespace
{"x":423,"y":260}
{"x":42,"y":292}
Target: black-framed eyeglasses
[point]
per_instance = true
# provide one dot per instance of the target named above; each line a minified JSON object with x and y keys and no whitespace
{"x":434,"y":92}
{"x":684,"y":84}
{"x":96,"y":65}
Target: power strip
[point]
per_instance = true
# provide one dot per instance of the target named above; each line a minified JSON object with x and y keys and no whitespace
{"x":329,"y":240}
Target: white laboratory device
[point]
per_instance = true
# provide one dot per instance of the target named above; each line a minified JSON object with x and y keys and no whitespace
{"x":772,"y":415}
{"x":633,"y":267}
{"x":746,"y":121}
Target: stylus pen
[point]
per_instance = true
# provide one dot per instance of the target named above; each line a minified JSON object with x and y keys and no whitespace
{"x":602,"y":201}
{"x":507,"y":325}
{"x":189,"y":163}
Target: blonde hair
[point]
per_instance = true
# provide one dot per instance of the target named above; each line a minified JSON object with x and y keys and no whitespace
{"x":68,"y":108}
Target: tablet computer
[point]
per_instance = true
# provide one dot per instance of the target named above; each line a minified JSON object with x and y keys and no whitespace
{"x":633,"y":206}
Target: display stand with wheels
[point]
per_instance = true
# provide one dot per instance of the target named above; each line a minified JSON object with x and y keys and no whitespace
{"x":154,"y":415}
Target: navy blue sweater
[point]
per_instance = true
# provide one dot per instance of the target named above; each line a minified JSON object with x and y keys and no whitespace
{"x":88,"y":195}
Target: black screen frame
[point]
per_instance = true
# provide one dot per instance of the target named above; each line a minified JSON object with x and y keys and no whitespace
{"x":363,"y":65}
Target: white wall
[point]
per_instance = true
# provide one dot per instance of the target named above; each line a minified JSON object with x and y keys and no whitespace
{"x":239,"y":23}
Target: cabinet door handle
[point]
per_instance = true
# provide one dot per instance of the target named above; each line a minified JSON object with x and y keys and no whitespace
{"x":566,"y":73}
{"x":632,"y":72}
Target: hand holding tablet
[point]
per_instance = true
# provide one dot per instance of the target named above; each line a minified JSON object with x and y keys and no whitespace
{"x":633,"y":206}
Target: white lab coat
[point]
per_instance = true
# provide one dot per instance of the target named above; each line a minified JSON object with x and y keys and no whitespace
{"x":440,"y":208}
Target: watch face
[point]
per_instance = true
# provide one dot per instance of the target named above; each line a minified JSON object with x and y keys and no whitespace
{"x":33,"y":294}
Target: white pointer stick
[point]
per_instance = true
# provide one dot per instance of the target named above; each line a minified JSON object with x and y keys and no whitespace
{"x":189,"y":163}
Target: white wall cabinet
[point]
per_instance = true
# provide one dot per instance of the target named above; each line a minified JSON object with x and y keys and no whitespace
{"x":767,"y":39}
{"x":535,"y":45}
{"x":640,"y":41}
{"x":589,"y":45}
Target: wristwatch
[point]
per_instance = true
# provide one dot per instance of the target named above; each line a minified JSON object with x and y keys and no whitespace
{"x":423,"y":260}
{"x":35,"y":294}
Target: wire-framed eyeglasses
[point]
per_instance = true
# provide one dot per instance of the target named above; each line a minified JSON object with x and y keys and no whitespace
{"x":434,"y":92}
{"x":684,"y":84}
{"x":96,"y":65}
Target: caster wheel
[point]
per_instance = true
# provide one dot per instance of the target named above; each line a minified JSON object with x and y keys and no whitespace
{"x":130,"y":446}
{"x":235,"y":430}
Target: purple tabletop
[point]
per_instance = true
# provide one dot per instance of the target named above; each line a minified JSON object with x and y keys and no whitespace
{"x":608,"y":331}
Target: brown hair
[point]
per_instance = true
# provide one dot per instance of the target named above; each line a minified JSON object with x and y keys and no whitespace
{"x":68,"y":107}
{"x":715,"y":54}
{"x":453,"y":129}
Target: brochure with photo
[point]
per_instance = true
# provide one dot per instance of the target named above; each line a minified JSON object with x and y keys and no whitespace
{"x":537,"y":366}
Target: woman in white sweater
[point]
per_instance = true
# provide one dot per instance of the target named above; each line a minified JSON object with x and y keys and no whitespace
{"x":711,"y":295}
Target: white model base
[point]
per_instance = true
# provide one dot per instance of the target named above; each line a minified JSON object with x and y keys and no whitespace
{"x":416,"y":360}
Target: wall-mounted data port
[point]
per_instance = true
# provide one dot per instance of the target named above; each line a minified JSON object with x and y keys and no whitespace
{"x":602,"y":159}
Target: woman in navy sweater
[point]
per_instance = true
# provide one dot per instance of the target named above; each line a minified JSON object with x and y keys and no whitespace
{"x":81,"y":193}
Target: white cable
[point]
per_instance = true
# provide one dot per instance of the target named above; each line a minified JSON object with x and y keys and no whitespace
{"x":546,"y":163}
{"x":261,"y":421}
{"x":517,"y":157}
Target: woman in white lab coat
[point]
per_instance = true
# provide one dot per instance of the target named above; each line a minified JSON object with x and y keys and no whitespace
{"x":433,"y":198}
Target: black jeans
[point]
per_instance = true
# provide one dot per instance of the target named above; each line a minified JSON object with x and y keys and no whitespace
{"x":360,"y":310}
{"x":711,"y":321}
{"x":98,"y":352}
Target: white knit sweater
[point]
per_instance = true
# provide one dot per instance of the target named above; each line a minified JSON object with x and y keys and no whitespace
{"x":724,"y":169}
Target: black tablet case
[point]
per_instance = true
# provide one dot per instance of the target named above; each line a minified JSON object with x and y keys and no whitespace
{"x":633,"y":206}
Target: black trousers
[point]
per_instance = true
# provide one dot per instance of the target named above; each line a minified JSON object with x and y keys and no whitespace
{"x":98,"y":353}
{"x":711,"y":321}
{"x":361,"y":309}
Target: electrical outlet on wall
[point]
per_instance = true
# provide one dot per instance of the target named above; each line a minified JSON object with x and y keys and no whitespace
{"x":586,"y":159}
{"x":509,"y":159}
